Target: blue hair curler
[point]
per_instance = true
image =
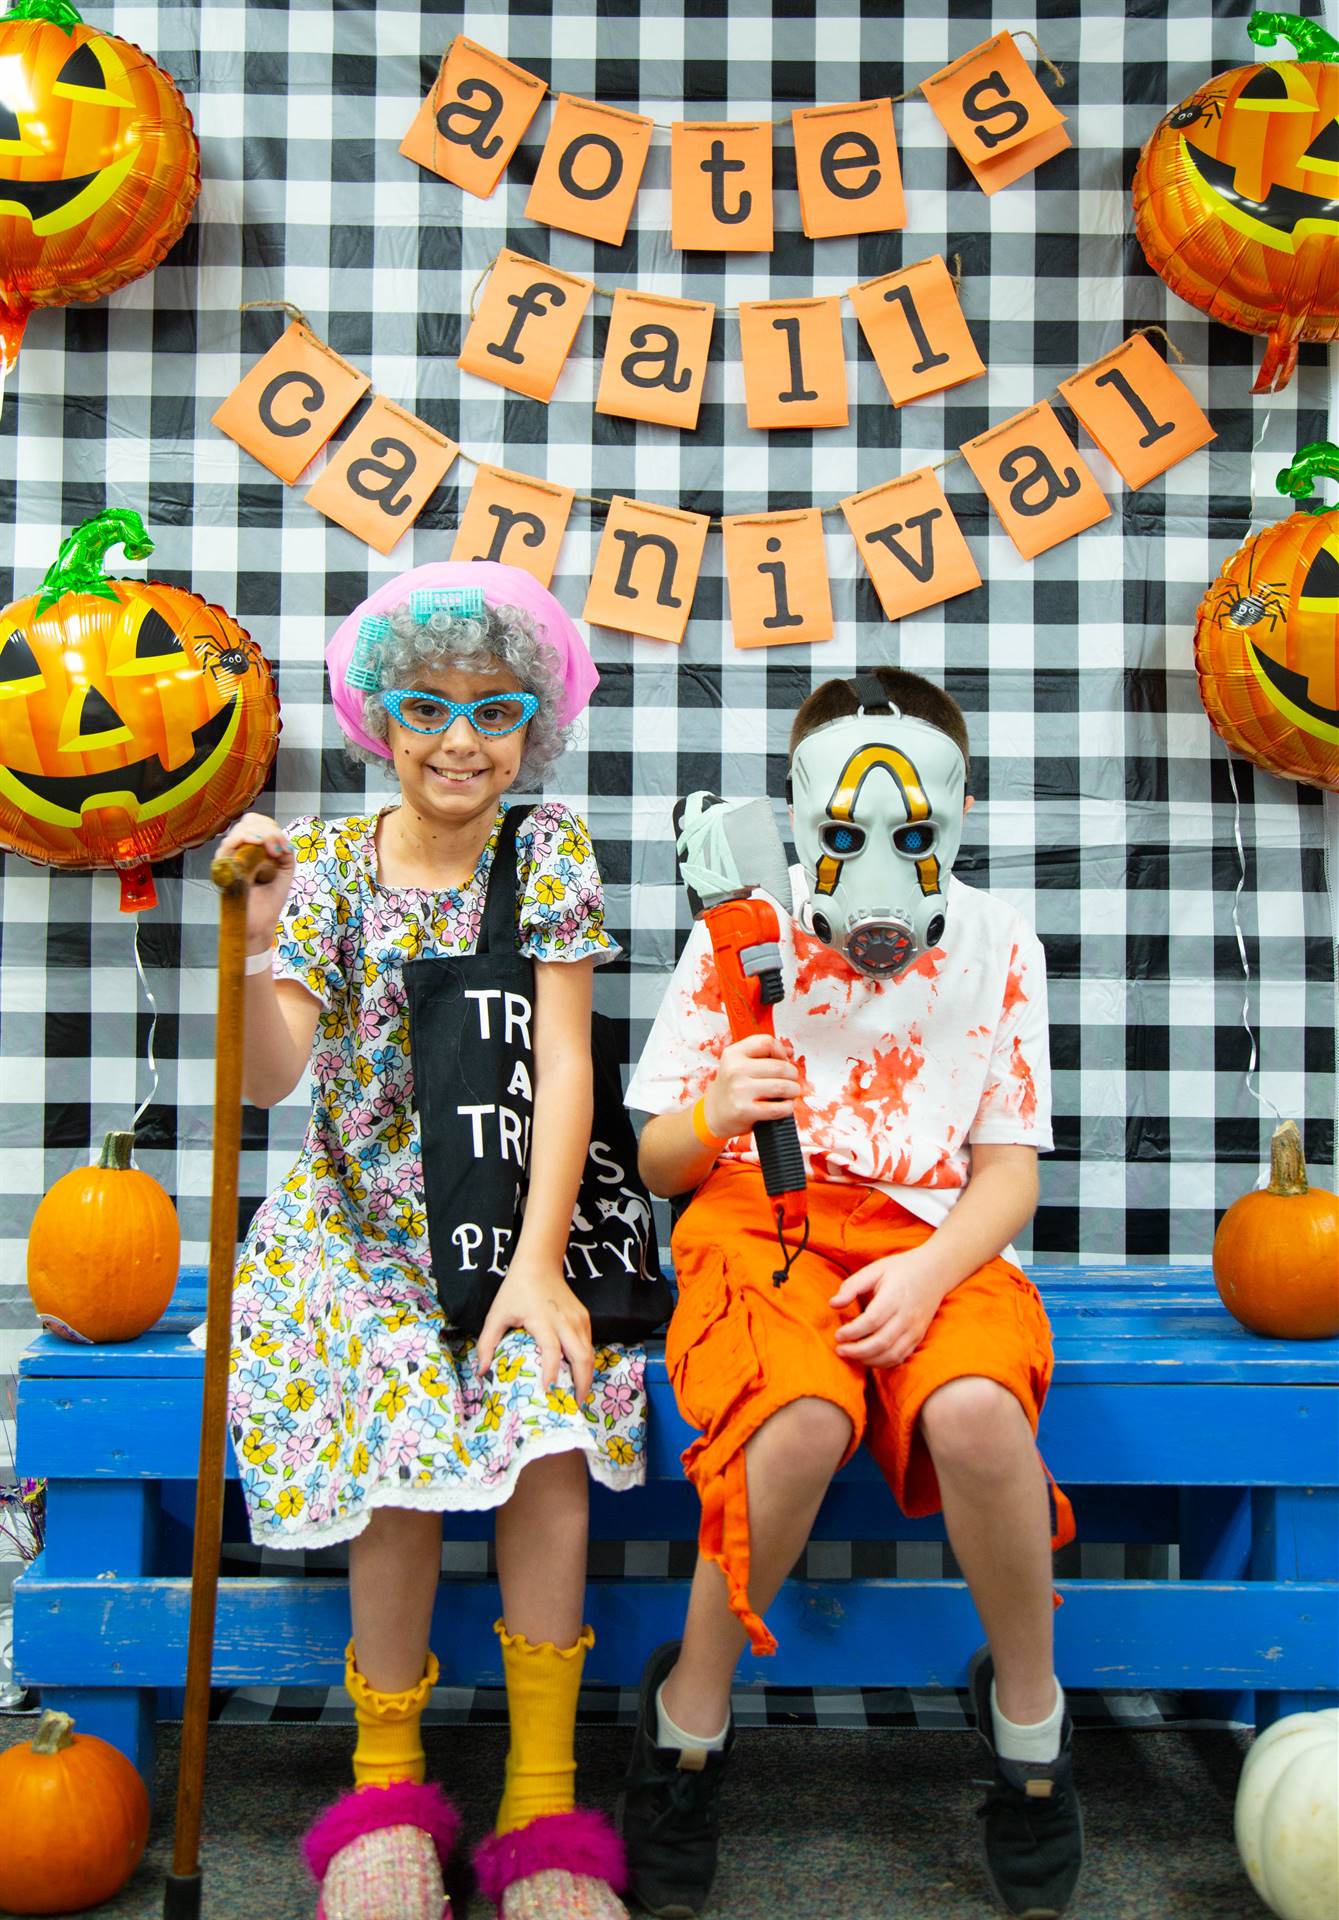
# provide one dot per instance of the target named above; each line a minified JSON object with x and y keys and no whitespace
{"x":364,"y":669}
{"x":465,"y":603}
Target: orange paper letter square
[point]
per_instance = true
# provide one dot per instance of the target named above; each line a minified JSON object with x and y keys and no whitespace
{"x":525,"y":326}
{"x":655,"y":358}
{"x":916,"y":330}
{"x":778,"y":576}
{"x":721,"y":186}
{"x":290,"y":403}
{"x":473,"y":118}
{"x":377,"y":483}
{"x":646,"y":569}
{"x":511,"y":518}
{"x":990,"y":102}
{"x":907,"y":536}
{"x":794,"y":364}
{"x":1139,"y":411}
{"x":1042,"y":491}
{"x":590,"y":169}
{"x":847,"y":170}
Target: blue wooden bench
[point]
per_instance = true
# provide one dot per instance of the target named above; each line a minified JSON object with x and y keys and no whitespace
{"x":1166,"y":1422}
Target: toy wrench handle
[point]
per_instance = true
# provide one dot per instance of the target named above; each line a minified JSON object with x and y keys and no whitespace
{"x":781,"y":1156}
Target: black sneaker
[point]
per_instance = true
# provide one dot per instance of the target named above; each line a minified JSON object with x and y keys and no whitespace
{"x":1031,"y":1827}
{"x":669,"y":1810}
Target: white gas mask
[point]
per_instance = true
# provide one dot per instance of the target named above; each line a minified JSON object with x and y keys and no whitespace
{"x":877,"y":802}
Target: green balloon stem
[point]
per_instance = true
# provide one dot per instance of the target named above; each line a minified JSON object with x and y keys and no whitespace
{"x":1317,"y":461}
{"x":57,"y":13}
{"x":1309,"y":39}
{"x":78,"y":567}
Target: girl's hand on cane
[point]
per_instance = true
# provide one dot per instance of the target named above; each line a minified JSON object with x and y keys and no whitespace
{"x":539,"y":1301}
{"x":264,"y":900}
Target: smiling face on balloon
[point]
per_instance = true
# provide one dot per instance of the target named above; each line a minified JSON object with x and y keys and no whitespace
{"x":70,"y":124}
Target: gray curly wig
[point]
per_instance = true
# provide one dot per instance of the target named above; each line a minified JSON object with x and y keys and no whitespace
{"x":500,"y":637}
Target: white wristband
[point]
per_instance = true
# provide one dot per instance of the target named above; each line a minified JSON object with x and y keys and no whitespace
{"x":260,"y":962}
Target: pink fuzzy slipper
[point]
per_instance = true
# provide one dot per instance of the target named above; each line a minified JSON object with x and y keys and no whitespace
{"x":563,"y":1866}
{"x":379,"y":1853}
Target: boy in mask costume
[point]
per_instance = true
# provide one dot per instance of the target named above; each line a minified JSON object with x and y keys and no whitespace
{"x":911,"y":1047}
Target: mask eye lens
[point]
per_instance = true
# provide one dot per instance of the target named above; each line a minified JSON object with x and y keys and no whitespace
{"x":841,"y":838}
{"x":915,"y":839}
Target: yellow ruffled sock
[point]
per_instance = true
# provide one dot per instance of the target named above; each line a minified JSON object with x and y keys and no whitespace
{"x":390,"y":1746}
{"x":542,"y":1687}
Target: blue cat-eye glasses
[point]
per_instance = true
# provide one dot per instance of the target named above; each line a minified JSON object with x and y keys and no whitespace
{"x":493,"y":714}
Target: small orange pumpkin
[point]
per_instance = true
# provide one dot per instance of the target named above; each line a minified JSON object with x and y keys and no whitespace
{"x":1235,"y":200}
{"x":76,"y":1820}
{"x":1267,"y":637}
{"x":135,"y":720}
{"x":104,"y":1249}
{"x":99,"y":163}
{"x":1276,"y":1252}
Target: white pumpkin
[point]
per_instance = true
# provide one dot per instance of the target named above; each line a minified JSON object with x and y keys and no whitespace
{"x":1287,"y":1819}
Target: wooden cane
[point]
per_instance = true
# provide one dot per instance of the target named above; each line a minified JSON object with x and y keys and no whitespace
{"x":232,"y":875}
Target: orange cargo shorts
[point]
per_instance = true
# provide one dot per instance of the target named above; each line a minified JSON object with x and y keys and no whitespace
{"x":739,"y":1348}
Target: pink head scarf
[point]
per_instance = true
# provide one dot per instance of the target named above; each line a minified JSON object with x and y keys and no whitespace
{"x":502,"y":587}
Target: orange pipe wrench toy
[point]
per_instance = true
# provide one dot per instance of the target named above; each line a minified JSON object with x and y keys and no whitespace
{"x":727,"y":850}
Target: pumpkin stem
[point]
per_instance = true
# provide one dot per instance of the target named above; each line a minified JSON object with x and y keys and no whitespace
{"x":116,"y":1151}
{"x":1319,"y":460}
{"x":55,"y":1732}
{"x":1287,"y":1168}
{"x":78,"y":567}
{"x":1310,"y":41}
{"x":57,"y":12}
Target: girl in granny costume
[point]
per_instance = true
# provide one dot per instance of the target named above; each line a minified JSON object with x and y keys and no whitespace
{"x":358,"y":1415}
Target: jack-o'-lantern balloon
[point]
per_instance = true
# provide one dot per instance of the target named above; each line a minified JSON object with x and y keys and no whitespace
{"x":1267,"y":637}
{"x":135,"y":719}
{"x":99,"y":164}
{"x":1236,"y":196}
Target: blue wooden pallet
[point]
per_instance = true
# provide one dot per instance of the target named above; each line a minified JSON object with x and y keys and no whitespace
{"x":1166,"y":1421}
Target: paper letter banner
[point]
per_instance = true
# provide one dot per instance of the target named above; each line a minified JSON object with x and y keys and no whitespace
{"x":778,"y":576}
{"x":907,"y":536}
{"x":473,"y":118}
{"x":590,"y":169}
{"x":514,"y":519}
{"x":646,"y":569}
{"x":377,"y":483}
{"x":794,"y":364}
{"x":1139,"y":411}
{"x":721,"y":186}
{"x":655,"y":358}
{"x":847,"y":169}
{"x":290,"y":403}
{"x":916,"y":330}
{"x":1036,"y":482}
{"x":525,"y":326}
{"x":992,"y":107}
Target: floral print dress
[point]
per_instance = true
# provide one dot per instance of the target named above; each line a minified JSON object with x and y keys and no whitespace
{"x":347,"y":1391}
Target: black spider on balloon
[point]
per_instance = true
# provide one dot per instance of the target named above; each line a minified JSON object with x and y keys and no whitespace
{"x":220,"y":659}
{"x":1266,"y":600}
{"x":1202,"y":111}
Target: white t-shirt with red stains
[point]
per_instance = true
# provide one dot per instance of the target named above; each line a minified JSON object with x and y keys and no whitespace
{"x":898,"y":1077}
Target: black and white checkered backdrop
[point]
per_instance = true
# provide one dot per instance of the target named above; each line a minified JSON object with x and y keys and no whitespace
{"x":1105,"y":805}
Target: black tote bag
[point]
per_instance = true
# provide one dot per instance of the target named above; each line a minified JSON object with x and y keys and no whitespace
{"x":473,"y":1063}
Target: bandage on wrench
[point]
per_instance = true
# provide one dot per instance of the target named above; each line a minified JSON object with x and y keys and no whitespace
{"x":727,"y":851}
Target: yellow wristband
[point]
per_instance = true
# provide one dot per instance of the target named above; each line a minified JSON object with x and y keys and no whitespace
{"x":703,"y":1131}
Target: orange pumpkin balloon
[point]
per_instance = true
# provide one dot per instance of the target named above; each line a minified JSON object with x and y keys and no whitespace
{"x":1267,"y":638}
{"x":103,"y":1249}
{"x":99,"y":163}
{"x":135,"y":720}
{"x":1236,"y":196}
{"x":1276,"y":1252}
{"x":76,"y":1820}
